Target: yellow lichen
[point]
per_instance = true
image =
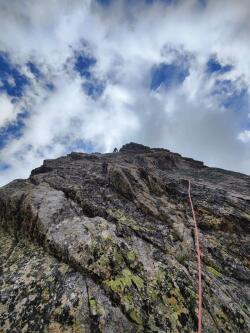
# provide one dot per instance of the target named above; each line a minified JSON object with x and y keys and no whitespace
{"x":63,"y":268}
{"x":138,"y":282}
{"x":78,"y":328}
{"x":45,"y":294}
{"x":124,"y":280}
{"x":131,"y":255}
{"x":213,"y":271}
{"x":246,"y":216}
{"x":121,"y":219}
{"x":136,"y":317}
{"x":221,"y":315}
{"x":93,"y":306}
{"x":55,"y":328}
{"x":96,"y":309}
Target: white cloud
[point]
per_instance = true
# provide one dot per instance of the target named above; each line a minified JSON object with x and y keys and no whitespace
{"x":126,"y":40}
{"x":244,"y":136}
{"x":7,"y":110}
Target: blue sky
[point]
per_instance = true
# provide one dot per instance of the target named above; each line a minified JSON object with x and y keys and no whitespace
{"x":167,"y":75}
{"x":12,"y":81}
{"x":93,"y":75}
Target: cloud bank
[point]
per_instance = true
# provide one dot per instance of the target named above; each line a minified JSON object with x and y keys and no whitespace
{"x":93,"y":75}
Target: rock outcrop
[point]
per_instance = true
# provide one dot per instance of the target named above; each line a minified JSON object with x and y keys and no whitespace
{"x":104,"y":243}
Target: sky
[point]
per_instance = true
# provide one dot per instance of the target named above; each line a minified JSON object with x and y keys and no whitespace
{"x":91,"y":75}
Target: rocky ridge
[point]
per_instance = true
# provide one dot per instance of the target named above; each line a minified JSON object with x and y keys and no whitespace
{"x":104,"y":243}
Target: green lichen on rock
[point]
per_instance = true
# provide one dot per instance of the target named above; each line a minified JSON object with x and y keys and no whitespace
{"x":39,"y":281}
{"x":183,"y":255}
{"x":246,"y":216}
{"x":214,"y":272}
{"x":122,"y":219}
{"x":124,"y":280}
{"x":138,"y":282}
{"x":54,"y":294}
{"x":105,"y":243}
{"x":96,"y":309}
{"x":136,"y":317}
{"x":131,"y":256}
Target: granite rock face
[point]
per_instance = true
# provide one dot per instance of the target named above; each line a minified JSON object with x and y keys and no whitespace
{"x":105,"y":243}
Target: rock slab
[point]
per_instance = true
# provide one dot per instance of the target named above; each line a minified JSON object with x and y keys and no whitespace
{"x":105,"y":243}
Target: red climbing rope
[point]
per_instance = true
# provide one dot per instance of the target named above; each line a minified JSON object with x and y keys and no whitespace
{"x":198,"y":252}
